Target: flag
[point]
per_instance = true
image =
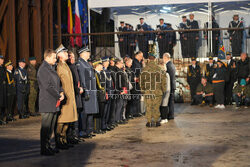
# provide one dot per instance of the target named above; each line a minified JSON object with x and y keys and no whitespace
{"x":84,"y":19}
{"x":70,"y":23}
{"x":221,"y":53}
{"x":78,"y":24}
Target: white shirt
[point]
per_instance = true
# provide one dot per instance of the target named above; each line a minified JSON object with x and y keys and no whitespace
{"x":9,"y":71}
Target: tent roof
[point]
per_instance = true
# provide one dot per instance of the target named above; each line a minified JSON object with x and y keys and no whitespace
{"x":177,"y":7}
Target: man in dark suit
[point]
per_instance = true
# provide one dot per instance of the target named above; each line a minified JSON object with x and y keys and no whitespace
{"x":2,"y":91}
{"x":171,"y":71}
{"x":230,"y":78}
{"x":22,"y":85}
{"x":89,"y":100}
{"x":143,"y":37}
{"x":193,"y":36}
{"x":50,"y":96}
{"x":122,"y":40}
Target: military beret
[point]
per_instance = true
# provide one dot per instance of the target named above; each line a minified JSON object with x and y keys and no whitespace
{"x":96,"y":62}
{"x":1,"y":57}
{"x":32,"y":58}
{"x":105,"y":58}
{"x":21,"y":60}
{"x":193,"y":59}
{"x":84,"y":49}
{"x":8,"y":63}
{"x":112,"y":58}
{"x":152,"y":54}
{"x":210,"y":58}
{"x":61,"y":48}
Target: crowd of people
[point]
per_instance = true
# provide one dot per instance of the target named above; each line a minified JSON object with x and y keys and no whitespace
{"x":222,"y":83}
{"x":166,"y":37}
{"x":79,"y":99}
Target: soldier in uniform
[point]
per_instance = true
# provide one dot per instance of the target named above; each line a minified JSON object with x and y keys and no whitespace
{"x":204,"y":93}
{"x":230,"y":79}
{"x":236,"y":36}
{"x":22,"y":89}
{"x":11,"y":91}
{"x":184,"y":36}
{"x":210,"y":70}
{"x":122,"y":40}
{"x":110,"y":91}
{"x":2,"y":91}
{"x":154,"y":91}
{"x":142,"y":37}
{"x":161,"y":37}
{"x":89,"y":99}
{"x":131,"y":41}
{"x":68,"y":112}
{"x":193,"y":36}
{"x":32,"y":72}
{"x":171,"y":40}
{"x":193,"y":78}
{"x":215,"y":36}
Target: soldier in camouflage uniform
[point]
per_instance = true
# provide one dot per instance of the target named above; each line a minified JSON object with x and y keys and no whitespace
{"x":153,"y":85}
{"x":32,"y":72}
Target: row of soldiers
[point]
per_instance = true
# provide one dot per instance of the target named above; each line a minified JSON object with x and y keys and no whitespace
{"x":188,"y":39}
{"x":221,"y":74}
{"x":18,"y":86}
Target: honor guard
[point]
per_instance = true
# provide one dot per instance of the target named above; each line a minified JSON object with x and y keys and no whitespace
{"x":210,"y":69}
{"x":143,"y":37}
{"x":193,"y":37}
{"x":11,"y":91}
{"x":184,"y":36}
{"x":122,"y":39}
{"x":193,"y":78}
{"x":236,"y":36}
{"x":161,"y":37}
{"x":22,"y":88}
{"x":32,"y":72}
{"x":2,"y":91}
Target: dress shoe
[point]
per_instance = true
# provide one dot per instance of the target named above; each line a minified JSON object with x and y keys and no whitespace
{"x":47,"y":152}
{"x":2,"y":122}
{"x":157,"y":124}
{"x":87,"y":136}
{"x":22,"y":117}
{"x":148,"y":124}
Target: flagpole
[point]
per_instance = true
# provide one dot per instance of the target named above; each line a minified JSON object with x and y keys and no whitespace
{"x":89,"y":27}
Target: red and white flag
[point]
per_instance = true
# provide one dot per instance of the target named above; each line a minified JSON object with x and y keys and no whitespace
{"x":78,"y":29}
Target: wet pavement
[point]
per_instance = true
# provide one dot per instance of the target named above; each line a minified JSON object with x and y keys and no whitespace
{"x":198,"y":137}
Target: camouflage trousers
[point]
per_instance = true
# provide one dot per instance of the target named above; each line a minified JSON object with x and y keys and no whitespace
{"x":32,"y":98}
{"x":153,"y":108}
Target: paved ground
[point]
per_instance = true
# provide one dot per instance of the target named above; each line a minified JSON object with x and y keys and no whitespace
{"x":198,"y":137}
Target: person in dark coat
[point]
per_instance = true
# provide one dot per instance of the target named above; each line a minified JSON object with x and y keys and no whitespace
{"x":243,"y":67}
{"x":161,"y":37}
{"x":171,"y":39}
{"x":136,"y":91}
{"x":215,"y":37}
{"x":50,"y":96}
{"x":171,"y":71}
{"x":112,"y":70}
{"x":184,"y":36}
{"x":89,"y":99}
{"x":219,"y":78}
{"x":193,"y":78}
{"x":110,"y":90}
{"x":143,"y":37}
{"x":22,"y":89}
{"x":122,"y":90}
{"x":209,"y":72}
{"x":2,"y":91}
{"x":131,"y":41}
{"x":230,"y":78}
{"x":236,"y":36}
{"x":72,"y":130}
{"x":11,"y":91}
{"x":122,"y":40}
{"x":193,"y":37}
{"x":130,"y":74}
